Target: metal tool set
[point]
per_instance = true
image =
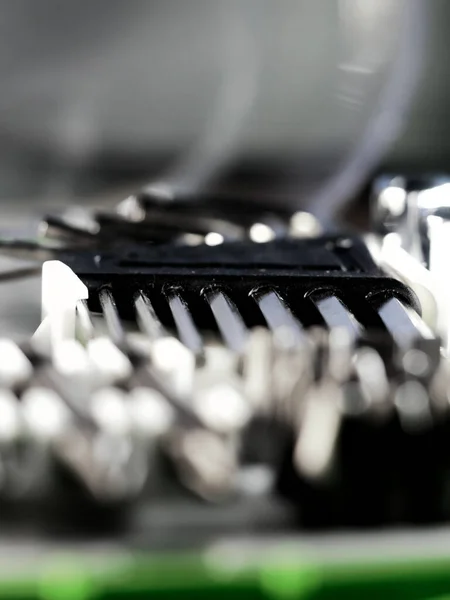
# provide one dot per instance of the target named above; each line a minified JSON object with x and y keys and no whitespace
{"x":190,"y":345}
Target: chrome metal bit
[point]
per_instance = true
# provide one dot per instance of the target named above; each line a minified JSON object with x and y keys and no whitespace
{"x":186,"y":327}
{"x":279,"y":317}
{"x":228,"y":319}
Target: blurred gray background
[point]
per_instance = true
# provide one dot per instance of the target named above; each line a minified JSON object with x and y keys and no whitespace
{"x":101,"y":92}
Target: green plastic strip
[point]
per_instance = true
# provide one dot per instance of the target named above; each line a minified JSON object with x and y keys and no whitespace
{"x":175,"y":576}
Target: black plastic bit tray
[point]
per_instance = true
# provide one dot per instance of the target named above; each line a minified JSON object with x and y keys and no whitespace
{"x":295,"y":269}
